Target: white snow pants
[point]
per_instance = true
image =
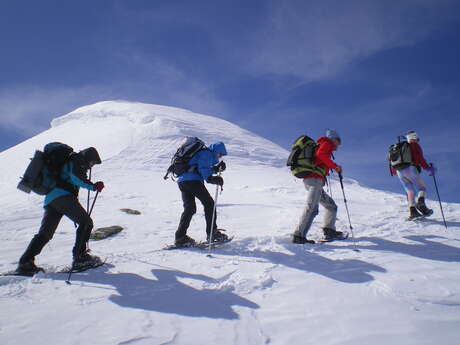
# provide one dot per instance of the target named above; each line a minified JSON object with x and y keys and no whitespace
{"x":316,"y":195}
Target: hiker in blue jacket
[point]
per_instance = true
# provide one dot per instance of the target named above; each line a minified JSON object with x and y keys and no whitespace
{"x":63,"y":201}
{"x":203,"y":164}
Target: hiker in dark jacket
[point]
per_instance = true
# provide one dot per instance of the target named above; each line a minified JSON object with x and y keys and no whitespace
{"x":204,"y":164}
{"x":63,"y":201}
{"x":316,"y":195}
{"x":412,"y":182}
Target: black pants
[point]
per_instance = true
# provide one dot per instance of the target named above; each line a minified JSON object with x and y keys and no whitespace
{"x":69,"y":206}
{"x":191,"y":190}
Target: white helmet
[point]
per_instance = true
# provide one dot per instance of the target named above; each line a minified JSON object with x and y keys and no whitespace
{"x":412,"y":136}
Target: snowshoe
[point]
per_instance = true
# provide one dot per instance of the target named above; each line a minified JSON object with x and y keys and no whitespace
{"x":86,"y":261}
{"x":301,"y":240}
{"x":81,"y":268}
{"x":205,"y":244}
{"x":218,"y":236}
{"x":422,"y":208}
{"x":414,"y":214}
{"x":333,"y":235}
{"x":28,"y":269}
{"x":184,"y":242}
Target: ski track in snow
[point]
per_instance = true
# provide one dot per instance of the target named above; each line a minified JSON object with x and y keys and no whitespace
{"x":402,"y":287}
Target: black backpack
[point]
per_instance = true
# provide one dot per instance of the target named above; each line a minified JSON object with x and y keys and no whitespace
{"x":43,"y":172}
{"x":399,"y":155}
{"x":179,"y":162}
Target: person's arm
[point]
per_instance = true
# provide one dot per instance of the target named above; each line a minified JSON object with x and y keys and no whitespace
{"x":204,"y":164}
{"x":324,"y":152}
{"x":417,"y":150}
{"x":77,"y":177}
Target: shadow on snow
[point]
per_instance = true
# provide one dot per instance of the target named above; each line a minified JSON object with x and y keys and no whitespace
{"x":165,"y":293}
{"x":342,"y":270}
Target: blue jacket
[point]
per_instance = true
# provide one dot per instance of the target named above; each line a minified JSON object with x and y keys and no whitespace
{"x":72,"y":174}
{"x":203,"y":161}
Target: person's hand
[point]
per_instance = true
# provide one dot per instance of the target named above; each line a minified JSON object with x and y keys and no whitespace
{"x":338,"y":168}
{"x":218,"y":180}
{"x":219,"y":167}
{"x":99,"y":186}
{"x":431,"y":170}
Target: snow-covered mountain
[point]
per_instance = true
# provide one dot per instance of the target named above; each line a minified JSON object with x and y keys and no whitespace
{"x":402,"y":287}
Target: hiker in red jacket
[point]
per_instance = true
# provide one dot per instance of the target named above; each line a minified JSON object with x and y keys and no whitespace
{"x":411,"y":180}
{"x":314,"y":183}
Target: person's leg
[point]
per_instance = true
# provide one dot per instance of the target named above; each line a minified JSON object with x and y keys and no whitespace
{"x":189,"y":209}
{"x":405,"y":177}
{"x":201,"y":193}
{"x":50,"y":222}
{"x":70,"y":207}
{"x":421,"y":187}
{"x":314,"y":187}
{"x":330,"y":216}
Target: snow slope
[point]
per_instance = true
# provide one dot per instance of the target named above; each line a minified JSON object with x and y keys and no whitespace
{"x":401,"y":288}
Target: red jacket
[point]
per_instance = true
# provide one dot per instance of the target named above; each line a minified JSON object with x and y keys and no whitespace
{"x":323,"y":157}
{"x":417,"y":155}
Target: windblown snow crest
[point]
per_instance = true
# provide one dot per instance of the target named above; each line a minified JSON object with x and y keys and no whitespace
{"x":153,"y":130}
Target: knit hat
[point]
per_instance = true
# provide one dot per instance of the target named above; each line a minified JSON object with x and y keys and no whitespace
{"x":332,"y":134}
{"x":411,"y":135}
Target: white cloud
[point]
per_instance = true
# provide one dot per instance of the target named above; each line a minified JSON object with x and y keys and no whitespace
{"x":30,"y":109}
{"x":314,"y":40}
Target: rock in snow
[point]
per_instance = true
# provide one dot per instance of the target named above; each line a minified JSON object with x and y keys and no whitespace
{"x":403,"y":286}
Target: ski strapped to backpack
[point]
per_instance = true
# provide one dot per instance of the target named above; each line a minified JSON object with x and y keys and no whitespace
{"x":399,"y":155}
{"x":43,"y":172}
{"x":179,"y":162}
{"x":301,"y":159}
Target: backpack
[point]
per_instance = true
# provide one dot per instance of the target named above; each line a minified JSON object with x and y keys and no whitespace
{"x":43,"y":172}
{"x":179,"y":162}
{"x":301,"y":158}
{"x":399,"y":155}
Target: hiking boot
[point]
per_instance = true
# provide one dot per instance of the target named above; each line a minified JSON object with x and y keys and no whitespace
{"x":421,"y":206}
{"x":332,"y":234}
{"x":413,"y":213}
{"x":86,"y":260}
{"x":301,"y":240}
{"x":28,"y":268}
{"x":184,"y":242}
{"x":218,"y":236}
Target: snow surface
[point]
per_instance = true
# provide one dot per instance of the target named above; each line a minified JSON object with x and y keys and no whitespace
{"x":401,"y":288}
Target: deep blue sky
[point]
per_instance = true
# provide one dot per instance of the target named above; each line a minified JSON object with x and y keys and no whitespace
{"x":370,"y":69}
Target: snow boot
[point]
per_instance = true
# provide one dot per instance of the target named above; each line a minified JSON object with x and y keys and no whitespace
{"x":421,"y":206}
{"x":301,"y":240}
{"x":28,"y":268}
{"x":85,"y":260}
{"x":218,"y":236}
{"x":184,"y":242}
{"x":413,"y":213}
{"x":332,"y":235}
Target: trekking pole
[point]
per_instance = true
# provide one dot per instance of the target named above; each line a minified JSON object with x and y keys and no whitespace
{"x":71,"y":269}
{"x":87,"y":201}
{"x":439,"y":199}
{"x":348,"y":212}
{"x":213,"y":219}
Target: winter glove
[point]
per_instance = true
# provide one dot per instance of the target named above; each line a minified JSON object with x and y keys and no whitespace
{"x":219,"y":167}
{"x":99,"y":186}
{"x":431,"y":170}
{"x":215,"y":180}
